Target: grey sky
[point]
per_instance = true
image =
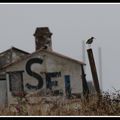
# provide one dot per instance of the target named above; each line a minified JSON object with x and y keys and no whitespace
{"x":70,"y":24}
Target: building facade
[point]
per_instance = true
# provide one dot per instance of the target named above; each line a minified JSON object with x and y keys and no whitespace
{"x":45,"y":71}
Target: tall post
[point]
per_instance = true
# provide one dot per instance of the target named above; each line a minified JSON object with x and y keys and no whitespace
{"x":93,"y":70}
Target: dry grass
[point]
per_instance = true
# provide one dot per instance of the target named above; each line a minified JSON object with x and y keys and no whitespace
{"x":36,"y":105}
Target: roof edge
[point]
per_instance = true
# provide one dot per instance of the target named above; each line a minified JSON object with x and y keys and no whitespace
{"x":14,"y":48}
{"x":51,"y":52}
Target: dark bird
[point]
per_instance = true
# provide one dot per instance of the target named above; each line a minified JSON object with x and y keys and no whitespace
{"x":90,"y":40}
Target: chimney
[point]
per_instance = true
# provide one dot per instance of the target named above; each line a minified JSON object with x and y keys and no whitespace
{"x":43,"y":38}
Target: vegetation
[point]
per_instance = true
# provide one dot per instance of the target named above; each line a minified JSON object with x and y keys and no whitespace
{"x":108,"y":105}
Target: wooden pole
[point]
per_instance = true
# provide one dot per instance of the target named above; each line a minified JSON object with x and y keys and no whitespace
{"x":93,"y":70}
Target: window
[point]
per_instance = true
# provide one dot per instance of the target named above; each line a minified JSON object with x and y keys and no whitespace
{"x":16,"y":82}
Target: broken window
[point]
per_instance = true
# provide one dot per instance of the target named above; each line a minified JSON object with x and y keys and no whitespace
{"x":16,"y":82}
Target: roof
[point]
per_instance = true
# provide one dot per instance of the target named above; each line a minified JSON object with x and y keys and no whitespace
{"x":41,"y":50}
{"x":66,"y":57}
{"x":6,"y":56}
{"x":16,"y":49}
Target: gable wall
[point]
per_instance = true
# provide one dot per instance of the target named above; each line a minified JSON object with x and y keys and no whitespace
{"x":50,"y":64}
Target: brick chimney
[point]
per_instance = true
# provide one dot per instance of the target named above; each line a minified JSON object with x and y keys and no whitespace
{"x":43,"y":38}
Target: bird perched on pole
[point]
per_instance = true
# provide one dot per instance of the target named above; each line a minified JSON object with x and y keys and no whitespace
{"x":90,"y":40}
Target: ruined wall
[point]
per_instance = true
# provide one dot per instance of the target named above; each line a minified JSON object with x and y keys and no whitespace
{"x":9,"y":56}
{"x":66,"y":67}
{"x":6,"y":57}
{"x":37,"y":69}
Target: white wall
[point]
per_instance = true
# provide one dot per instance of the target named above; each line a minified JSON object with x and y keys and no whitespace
{"x":51,"y":63}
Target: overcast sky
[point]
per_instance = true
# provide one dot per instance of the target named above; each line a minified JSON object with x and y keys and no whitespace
{"x":70,"y":25}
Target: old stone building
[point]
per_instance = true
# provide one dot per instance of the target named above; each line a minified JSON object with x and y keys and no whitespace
{"x":7,"y":57}
{"x":46,"y":71}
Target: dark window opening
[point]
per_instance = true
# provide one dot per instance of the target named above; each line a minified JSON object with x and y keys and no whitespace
{"x":16,"y":82}
{"x":67,"y":86}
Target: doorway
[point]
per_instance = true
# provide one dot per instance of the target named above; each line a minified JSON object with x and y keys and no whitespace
{"x":67,"y":86}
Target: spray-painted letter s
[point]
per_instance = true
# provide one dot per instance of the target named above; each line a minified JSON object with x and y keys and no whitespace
{"x":33,"y":74}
